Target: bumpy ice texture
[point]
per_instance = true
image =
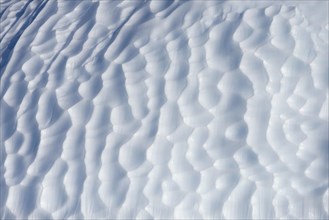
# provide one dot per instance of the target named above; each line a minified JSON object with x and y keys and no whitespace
{"x":164,"y":109}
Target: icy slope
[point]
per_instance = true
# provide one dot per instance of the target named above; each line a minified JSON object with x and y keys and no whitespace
{"x":164,"y":110}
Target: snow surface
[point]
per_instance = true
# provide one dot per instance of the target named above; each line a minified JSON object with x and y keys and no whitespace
{"x":164,"y":109}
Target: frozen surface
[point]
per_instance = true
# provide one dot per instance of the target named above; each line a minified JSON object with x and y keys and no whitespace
{"x":164,"y":109}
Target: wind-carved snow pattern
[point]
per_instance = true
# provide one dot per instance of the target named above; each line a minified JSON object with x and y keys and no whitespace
{"x":163,"y":110}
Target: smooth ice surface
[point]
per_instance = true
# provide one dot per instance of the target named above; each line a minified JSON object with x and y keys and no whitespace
{"x":164,"y":109}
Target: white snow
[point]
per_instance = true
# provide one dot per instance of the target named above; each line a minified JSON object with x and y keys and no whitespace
{"x":164,"y":109}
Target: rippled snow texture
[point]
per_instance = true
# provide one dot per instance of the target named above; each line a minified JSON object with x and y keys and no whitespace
{"x":164,"y":109}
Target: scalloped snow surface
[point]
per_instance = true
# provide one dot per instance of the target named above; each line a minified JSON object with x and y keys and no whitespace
{"x":164,"y":109}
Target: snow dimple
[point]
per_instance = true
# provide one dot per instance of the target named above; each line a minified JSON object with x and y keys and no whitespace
{"x":163,"y":109}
